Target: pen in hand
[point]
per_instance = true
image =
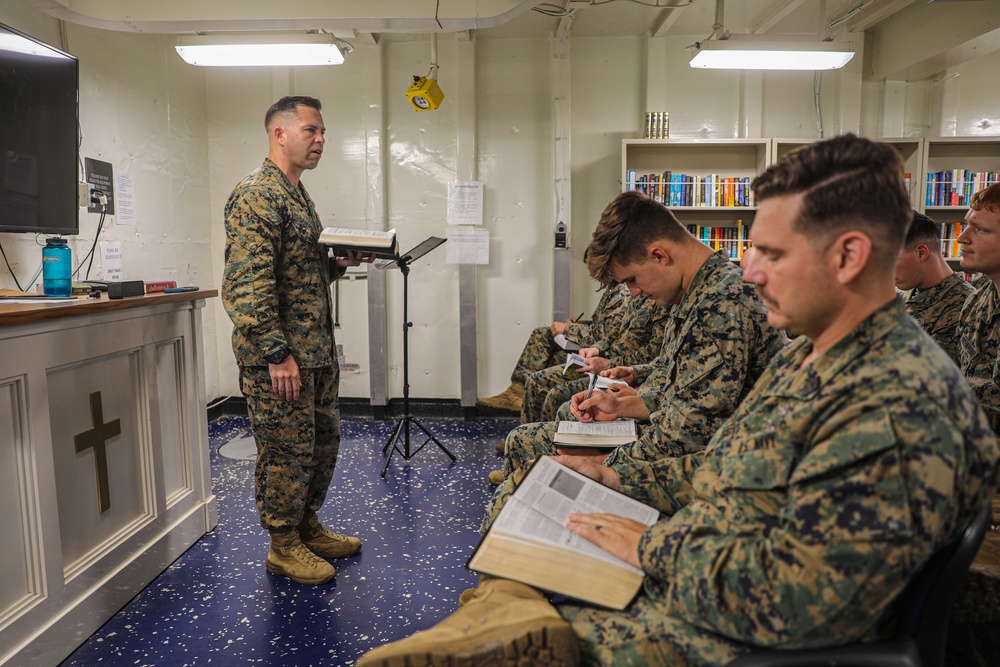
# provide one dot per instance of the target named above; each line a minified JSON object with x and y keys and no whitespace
{"x":578,"y":317}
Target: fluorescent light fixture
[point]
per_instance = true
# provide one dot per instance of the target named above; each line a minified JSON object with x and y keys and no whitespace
{"x":18,"y":44}
{"x":749,"y":53}
{"x":260,"y":49}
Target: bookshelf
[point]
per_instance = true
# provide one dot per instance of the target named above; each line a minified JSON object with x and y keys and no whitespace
{"x":911,"y":149}
{"x":706,"y":183}
{"x":954,"y":168}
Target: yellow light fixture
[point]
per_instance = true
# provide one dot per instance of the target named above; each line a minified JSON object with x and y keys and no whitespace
{"x":424,"y":93}
{"x":260,"y":49}
{"x":761,"y":52}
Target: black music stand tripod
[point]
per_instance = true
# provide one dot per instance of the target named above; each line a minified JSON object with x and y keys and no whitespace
{"x":402,"y":431}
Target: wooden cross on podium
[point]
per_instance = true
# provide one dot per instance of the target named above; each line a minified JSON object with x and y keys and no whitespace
{"x":97,"y":438}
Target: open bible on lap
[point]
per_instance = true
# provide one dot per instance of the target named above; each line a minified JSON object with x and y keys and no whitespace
{"x":529,"y":541}
{"x":342,"y":240}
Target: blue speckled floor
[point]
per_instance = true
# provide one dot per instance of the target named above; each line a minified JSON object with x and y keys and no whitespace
{"x":216,"y":605}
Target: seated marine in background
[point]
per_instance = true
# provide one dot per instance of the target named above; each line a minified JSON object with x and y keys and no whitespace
{"x":541,"y":351}
{"x":858,"y":454}
{"x":934,"y":293}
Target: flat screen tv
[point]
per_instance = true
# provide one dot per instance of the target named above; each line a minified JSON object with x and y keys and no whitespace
{"x":39,"y":93}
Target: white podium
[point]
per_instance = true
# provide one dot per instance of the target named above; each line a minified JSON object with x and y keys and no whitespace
{"x":104,"y":462}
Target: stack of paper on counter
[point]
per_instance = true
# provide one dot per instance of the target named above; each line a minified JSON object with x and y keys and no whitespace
{"x":529,"y":541}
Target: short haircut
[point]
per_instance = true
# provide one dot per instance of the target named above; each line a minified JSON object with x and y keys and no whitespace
{"x":988,"y":198}
{"x":290,"y":104}
{"x":849,"y":183}
{"x":923,"y":230}
{"x":627,"y":226}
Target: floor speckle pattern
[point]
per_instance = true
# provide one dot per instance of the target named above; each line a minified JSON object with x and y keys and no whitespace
{"x":216,"y":605}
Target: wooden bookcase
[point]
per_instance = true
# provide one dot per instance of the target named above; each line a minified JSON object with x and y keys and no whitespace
{"x":695,"y":161}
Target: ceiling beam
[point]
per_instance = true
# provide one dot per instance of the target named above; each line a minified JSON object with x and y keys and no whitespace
{"x":664,"y":21}
{"x":930,"y":38}
{"x":870,"y":16}
{"x":774,"y":14}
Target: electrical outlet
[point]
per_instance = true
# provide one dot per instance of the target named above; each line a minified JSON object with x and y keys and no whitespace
{"x":96,"y":196}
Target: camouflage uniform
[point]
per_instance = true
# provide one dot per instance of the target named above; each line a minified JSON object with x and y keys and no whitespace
{"x":717,"y":343}
{"x":810,"y":509}
{"x":276,"y":290}
{"x":979,"y":339}
{"x":937,"y":309}
{"x":541,"y":352}
{"x":631,"y":341}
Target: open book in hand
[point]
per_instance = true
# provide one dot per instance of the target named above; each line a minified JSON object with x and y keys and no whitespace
{"x":574,"y":360}
{"x":566,"y":343}
{"x":602,"y":435}
{"x":342,"y":240}
{"x":529,"y":541}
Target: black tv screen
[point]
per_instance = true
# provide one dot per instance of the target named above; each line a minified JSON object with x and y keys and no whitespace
{"x":38,"y":136}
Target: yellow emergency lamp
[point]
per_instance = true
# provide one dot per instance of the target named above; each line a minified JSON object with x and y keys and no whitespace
{"x":425,"y":93}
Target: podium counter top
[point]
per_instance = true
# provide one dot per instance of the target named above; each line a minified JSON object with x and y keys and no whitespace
{"x":20,"y":313}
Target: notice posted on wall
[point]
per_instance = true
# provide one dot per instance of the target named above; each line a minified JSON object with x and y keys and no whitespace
{"x":468,"y":246}
{"x":101,"y":175}
{"x":113,"y":261}
{"x":125,"y":198}
{"x":465,"y":203}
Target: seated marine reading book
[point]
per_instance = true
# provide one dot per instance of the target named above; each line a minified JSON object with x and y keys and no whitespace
{"x":383,"y":244}
{"x":529,"y":541}
{"x":602,"y":435}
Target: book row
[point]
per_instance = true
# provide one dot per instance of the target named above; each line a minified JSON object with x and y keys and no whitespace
{"x":955,"y":187}
{"x":693,"y":190}
{"x":733,"y":240}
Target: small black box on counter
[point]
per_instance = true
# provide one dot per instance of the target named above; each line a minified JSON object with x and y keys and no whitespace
{"x":120,"y":290}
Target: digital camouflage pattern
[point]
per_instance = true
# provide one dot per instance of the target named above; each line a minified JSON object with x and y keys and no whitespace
{"x":636,"y":340}
{"x":275,"y":285}
{"x":810,"y":509}
{"x":717,"y":342}
{"x":979,"y":341}
{"x":541,"y":352}
{"x":297,"y":443}
{"x":276,"y":290}
{"x":938,"y":308}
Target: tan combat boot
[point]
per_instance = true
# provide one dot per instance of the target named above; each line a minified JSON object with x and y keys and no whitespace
{"x":324,"y":542}
{"x":502,"y":446}
{"x":496,"y":477}
{"x":505,"y":623}
{"x":509,"y":399}
{"x":288,"y":556}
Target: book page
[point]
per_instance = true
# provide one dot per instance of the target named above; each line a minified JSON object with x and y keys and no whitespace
{"x":549,"y":494}
{"x":332,"y":235}
{"x":608,"y":428}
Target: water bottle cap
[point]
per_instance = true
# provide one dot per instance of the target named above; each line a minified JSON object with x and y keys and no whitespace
{"x":56,"y":240}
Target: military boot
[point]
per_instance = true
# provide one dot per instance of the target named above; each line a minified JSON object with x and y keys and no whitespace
{"x":505,"y":623}
{"x":496,"y":477}
{"x":509,"y":399}
{"x":288,"y":556}
{"x":324,"y":542}
{"x":502,"y":446}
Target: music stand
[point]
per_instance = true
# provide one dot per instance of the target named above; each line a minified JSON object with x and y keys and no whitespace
{"x":402,"y":430}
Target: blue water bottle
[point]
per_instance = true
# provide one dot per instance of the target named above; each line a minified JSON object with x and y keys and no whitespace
{"x":57,"y":274}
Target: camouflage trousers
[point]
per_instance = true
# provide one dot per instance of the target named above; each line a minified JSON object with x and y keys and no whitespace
{"x":544,"y":393}
{"x":297,"y":443}
{"x":644,"y":634}
{"x":539,"y":353}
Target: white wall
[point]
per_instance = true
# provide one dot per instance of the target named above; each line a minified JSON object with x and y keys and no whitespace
{"x":189,"y":135}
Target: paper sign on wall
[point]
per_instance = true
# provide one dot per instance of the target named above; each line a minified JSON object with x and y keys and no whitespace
{"x":125,"y":198}
{"x":465,"y":203}
{"x":113,"y":261}
{"x":468,"y":246}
